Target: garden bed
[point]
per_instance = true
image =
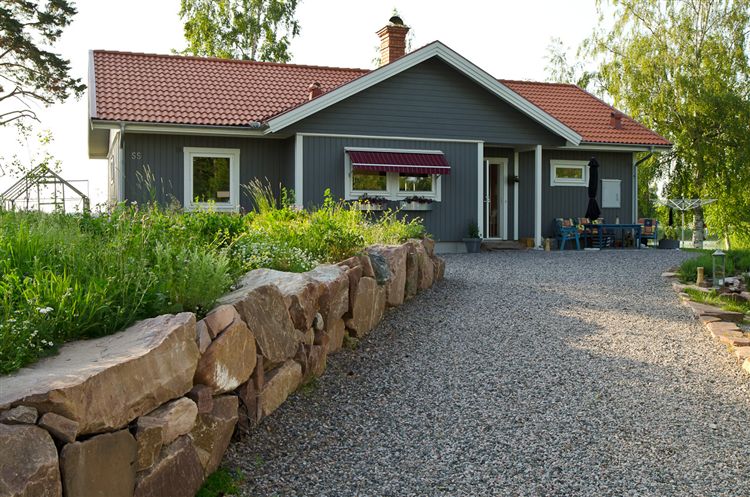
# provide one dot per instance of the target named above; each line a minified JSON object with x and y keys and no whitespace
{"x":68,"y":277}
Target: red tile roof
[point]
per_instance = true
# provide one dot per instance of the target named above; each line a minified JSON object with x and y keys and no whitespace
{"x":203,"y":91}
{"x":584,"y":113}
{"x":174,"y":89}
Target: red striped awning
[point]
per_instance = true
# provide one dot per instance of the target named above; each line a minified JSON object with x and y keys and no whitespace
{"x":400,"y":162}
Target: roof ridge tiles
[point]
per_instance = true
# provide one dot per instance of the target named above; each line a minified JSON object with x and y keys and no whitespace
{"x":234,"y":61}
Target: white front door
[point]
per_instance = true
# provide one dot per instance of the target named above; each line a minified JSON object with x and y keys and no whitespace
{"x":496,"y":198}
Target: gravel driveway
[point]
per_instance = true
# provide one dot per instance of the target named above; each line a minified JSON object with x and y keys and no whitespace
{"x":523,"y":373}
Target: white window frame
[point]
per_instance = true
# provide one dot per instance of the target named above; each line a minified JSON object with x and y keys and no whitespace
{"x":233,"y":154}
{"x":554,"y":164}
{"x":392,"y":184}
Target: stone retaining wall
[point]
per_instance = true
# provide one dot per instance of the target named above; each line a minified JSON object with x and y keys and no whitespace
{"x":150,"y":410}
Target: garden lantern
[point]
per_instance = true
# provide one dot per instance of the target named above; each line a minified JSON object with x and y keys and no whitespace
{"x":719,"y":263}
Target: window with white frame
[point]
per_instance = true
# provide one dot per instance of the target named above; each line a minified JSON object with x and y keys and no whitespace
{"x":212,"y":178}
{"x":389,"y":184}
{"x":568,"y":173}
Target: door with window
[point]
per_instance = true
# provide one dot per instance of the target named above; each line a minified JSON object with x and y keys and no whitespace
{"x":496,"y":198}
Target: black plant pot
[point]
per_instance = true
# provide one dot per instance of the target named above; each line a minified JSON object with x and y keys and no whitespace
{"x":669,"y":244}
{"x":473,"y":245}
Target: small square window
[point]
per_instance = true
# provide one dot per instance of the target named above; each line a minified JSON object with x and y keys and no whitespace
{"x":416,"y":183}
{"x":211,"y":179}
{"x":369,"y":181}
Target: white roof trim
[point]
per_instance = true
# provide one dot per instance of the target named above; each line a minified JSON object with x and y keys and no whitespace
{"x":435,"y":49}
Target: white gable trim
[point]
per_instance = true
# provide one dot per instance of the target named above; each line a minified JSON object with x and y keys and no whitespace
{"x":435,"y":49}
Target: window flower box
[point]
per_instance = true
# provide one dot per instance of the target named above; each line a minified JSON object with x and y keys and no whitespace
{"x":416,"y":204}
{"x":370,"y":204}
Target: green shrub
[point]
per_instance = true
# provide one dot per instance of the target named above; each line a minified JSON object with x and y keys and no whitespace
{"x":737,"y":261}
{"x":68,"y":277}
{"x":222,"y":482}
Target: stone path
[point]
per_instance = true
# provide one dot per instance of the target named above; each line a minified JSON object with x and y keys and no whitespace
{"x":522,"y":374}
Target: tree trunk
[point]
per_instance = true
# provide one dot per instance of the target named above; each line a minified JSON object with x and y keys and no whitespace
{"x":698,"y":226}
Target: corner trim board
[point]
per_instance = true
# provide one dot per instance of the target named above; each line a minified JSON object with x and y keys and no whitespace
{"x":299,"y":170}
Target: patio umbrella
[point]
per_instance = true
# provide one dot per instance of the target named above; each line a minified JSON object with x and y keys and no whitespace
{"x":593,"y":211}
{"x":671,"y":217}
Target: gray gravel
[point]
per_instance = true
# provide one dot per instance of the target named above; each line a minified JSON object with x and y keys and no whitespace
{"x":523,"y":373}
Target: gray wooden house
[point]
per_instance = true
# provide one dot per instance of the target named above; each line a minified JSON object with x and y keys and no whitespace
{"x":509,"y":156}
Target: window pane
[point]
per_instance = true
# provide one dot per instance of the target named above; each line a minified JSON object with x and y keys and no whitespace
{"x":569,"y":172}
{"x":369,"y":181}
{"x":414,"y":182}
{"x":211,"y":179}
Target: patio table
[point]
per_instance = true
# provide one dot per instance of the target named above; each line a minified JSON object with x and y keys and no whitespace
{"x":636,"y":228}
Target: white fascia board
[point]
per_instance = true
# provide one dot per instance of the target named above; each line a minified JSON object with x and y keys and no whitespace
{"x":92,"y":86}
{"x":614,"y":147}
{"x":180,"y":129}
{"x":435,"y":49}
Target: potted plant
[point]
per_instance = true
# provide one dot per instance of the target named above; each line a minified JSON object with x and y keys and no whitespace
{"x":473,"y":242}
{"x":669,"y":241}
{"x":417,"y":204}
{"x":368,"y":203}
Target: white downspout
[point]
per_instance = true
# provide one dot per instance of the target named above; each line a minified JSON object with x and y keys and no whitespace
{"x":538,"y":196}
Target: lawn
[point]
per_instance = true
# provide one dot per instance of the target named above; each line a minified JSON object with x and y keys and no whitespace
{"x":68,"y":277}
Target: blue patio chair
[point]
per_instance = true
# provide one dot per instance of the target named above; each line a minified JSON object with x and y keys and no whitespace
{"x":649,"y":230}
{"x":565,"y":230}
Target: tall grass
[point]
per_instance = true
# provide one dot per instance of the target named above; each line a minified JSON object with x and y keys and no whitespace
{"x":737,"y":261}
{"x":66,"y":277}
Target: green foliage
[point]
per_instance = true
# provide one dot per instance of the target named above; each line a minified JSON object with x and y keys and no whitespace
{"x":240,"y":29}
{"x":712,"y":298}
{"x":67,"y":277}
{"x":32,"y":74}
{"x":737,"y":261}
{"x":682,"y":69}
{"x":222,"y":482}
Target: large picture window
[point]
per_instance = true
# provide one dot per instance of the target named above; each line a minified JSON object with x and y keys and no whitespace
{"x":568,"y":173}
{"x":212,"y":178}
{"x":392,"y":184}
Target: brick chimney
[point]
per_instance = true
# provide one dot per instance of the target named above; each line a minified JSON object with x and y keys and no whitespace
{"x":314,"y":91}
{"x":392,"y":40}
{"x":615,"y":120}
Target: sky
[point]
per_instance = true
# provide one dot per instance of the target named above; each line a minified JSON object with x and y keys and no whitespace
{"x":508,"y":39}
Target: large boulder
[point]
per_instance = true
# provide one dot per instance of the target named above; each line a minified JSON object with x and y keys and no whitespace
{"x":336,"y":331}
{"x":176,"y":418}
{"x":213,"y":431}
{"x":28,"y":462}
{"x":265,"y":312}
{"x":299,"y":291}
{"x":19,"y":415}
{"x":381,"y":271}
{"x":439,"y":265}
{"x":149,"y":436}
{"x":229,"y":360}
{"x":102,"y":465}
{"x":333,"y":301}
{"x":700,"y":310}
{"x":177,"y":473}
{"x":219,"y":319}
{"x":103,"y":384}
{"x":394,"y":257}
{"x":280,"y":383}
{"x":60,"y":427}
{"x":367,"y":306}
{"x":426,"y":274}
{"x":412,"y":272}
